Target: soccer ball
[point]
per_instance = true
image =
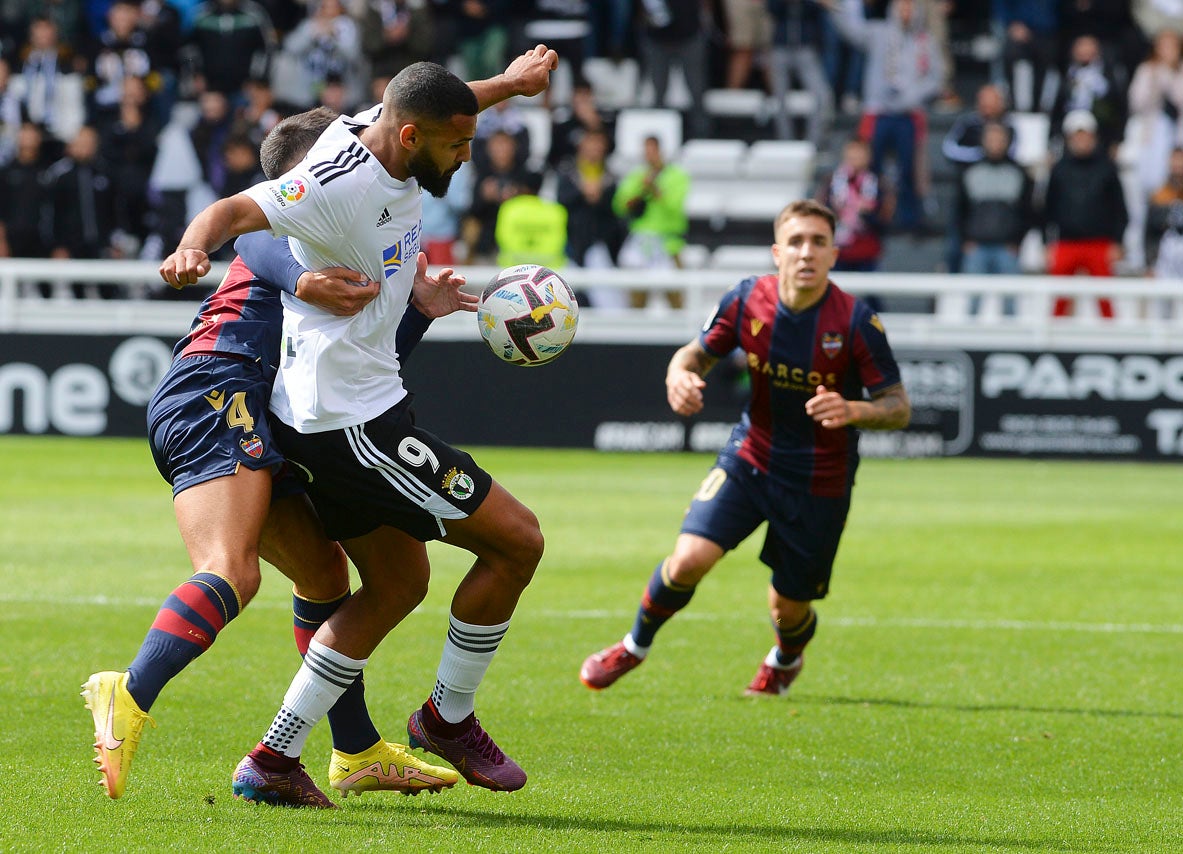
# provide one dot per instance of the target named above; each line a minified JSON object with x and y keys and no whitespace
{"x":527,"y":315}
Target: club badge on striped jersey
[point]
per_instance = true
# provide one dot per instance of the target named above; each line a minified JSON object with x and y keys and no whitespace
{"x":832,"y":343}
{"x":252,"y":447}
{"x":458,"y":484}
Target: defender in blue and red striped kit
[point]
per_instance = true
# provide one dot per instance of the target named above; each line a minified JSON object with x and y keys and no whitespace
{"x":811,"y":350}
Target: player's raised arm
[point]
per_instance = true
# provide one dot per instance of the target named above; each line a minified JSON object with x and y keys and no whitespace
{"x":211,"y":228}
{"x":527,"y":75}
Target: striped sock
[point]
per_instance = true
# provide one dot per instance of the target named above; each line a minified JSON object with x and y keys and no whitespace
{"x":322,"y":678}
{"x":184,"y":628}
{"x":791,"y":642}
{"x":468,"y":651}
{"x":661,"y":600}
{"x":349,"y":718}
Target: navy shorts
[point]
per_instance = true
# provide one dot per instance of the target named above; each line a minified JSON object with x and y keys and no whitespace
{"x":385,"y":472}
{"x":803,"y":529}
{"x":209,"y":416}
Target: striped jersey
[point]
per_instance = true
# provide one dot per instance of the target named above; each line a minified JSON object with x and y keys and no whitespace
{"x":240,"y":318}
{"x":839,"y":342}
{"x":340,"y":207}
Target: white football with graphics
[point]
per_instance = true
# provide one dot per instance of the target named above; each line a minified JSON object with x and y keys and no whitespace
{"x":527,"y":315}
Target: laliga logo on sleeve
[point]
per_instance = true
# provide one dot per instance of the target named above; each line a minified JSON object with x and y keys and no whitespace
{"x":290,"y":192}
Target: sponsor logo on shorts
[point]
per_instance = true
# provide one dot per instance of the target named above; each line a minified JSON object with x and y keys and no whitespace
{"x":458,"y":484}
{"x":216,"y":399}
{"x":832,"y":343}
{"x":252,"y":447}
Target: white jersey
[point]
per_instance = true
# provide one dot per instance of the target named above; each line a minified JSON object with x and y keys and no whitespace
{"x":340,"y":207}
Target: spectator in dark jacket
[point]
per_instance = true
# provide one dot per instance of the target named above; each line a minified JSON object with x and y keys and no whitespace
{"x":22,"y":197}
{"x":231,"y":41}
{"x":81,"y":201}
{"x":120,"y":51}
{"x":962,"y":144}
{"x":672,"y":33}
{"x":1085,"y":209}
{"x":396,"y":33}
{"x":570,"y":126}
{"x":1029,"y":51}
{"x":1089,"y":84}
{"x":993,"y":211}
{"x":128,"y":144}
{"x":585,"y":189}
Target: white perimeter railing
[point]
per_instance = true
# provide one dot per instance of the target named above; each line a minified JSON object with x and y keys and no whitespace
{"x":924,"y":310}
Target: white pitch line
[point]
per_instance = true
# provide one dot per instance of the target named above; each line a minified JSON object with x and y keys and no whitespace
{"x":592,"y":614}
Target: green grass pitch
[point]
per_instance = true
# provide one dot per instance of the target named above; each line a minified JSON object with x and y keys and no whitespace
{"x":997,"y":668}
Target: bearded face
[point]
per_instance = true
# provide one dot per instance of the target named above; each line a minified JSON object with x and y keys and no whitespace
{"x":429,"y":175}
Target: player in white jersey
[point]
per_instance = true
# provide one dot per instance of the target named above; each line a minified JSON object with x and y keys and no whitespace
{"x":381,"y":485}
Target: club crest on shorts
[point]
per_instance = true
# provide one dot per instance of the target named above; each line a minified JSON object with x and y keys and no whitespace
{"x":832,"y":343}
{"x":458,"y":484}
{"x":252,"y":447}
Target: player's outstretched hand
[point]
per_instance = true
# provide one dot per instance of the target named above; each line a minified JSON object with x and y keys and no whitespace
{"x":683,"y":390}
{"x":338,"y":290}
{"x":439,"y":295}
{"x":184,"y":267}
{"x":828,"y":408}
{"x":530,"y":72}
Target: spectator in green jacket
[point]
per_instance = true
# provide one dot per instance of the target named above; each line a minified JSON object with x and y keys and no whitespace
{"x":652,"y":199}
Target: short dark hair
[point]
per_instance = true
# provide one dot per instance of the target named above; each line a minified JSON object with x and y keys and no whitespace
{"x":428,"y":91}
{"x":289,"y":141}
{"x":805,"y":207}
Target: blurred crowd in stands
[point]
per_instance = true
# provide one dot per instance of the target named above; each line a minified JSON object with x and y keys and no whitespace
{"x":1056,"y":124}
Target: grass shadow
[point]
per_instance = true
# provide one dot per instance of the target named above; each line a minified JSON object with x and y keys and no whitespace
{"x":715,"y":832}
{"x":982,"y":707}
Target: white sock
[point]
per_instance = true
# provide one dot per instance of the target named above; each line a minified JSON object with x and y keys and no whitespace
{"x":321,"y":680}
{"x":468,"y":651}
{"x":631,"y":646}
{"x":773,"y":660}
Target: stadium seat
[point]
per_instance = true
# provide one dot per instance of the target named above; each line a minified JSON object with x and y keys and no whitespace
{"x":538,"y":124}
{"x":614,"y":82}
{"x":761,"y":200}
{"x":706,"y":198}
{"x":781,"y":158}
{"x":713,"y":158}
{"x":694,"y":256}
{"x":748,"y":259}
{"x":634,"y":124}
{"x":735,"y":103}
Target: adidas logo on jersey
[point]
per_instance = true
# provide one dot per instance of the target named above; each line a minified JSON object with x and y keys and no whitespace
{"x":384,"y":219}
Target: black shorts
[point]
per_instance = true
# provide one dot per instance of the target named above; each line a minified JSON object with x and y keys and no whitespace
{"x":803,"y":529}
{"x":207,"y":417}
{"x":385,"y":472}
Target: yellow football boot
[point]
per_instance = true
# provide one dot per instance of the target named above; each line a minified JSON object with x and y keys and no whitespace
{"x":387,"y":767}
{"x":118,"y":723}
